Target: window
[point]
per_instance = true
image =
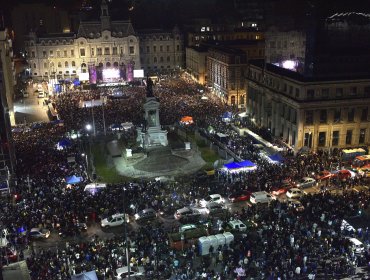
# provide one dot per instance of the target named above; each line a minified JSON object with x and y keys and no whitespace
{"x":44,"y":54}
{"x":285,"y":87}
{"x":364,"y":114}
{"x":322,"y":139}
{"x":72,"y":52}
{"x":132,"y":50}
{"x":272,"y":44}
{"x":337,"y":115}
{"x":147,"y":49}
{"x":106,"y":51}
{"x":233,"y":100}
{"x":339,"y":92}
{"x":178,"y":48}
{"x":335,"y":139}
{"x":161,"y":59}
{"x":353,"y":91}
{"x":308,"y":139}
{"x":65,"y":53}
{"x":242,"y":98}
{"x":58,"y":53}
{"x":115,"y":51}
{"x":323,"y":116}
{"x":82,"y":52}
{"x":66,"y":64}
{"x":99,"y":51}
{"x":309,"y":117}
{"x":361,"y":139}
{"x":155,"y":59}
{"x":349,"y":137}
{"x":73,"y":64}
{"x":34,"y":65}
{"x":45,"y":65}
{"x":59,"y":65}
{"x":51,"y":53}
{"x":161,"y":48}
{"x":310,"y":94}
{"x":168,"y":48}
{"x":154,"y":48}
{"x":32,"y":54}
{"x":297,"y":92}
{"x":325,"y":93}
{"x":294,"y":120}
{"x":168,"y":59}
{"x":367,"y":91}
{"x":351,"y":114}
{"x":92,"y":51}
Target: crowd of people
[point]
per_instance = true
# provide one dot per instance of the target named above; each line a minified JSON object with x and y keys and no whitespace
{"x":284,"y":244}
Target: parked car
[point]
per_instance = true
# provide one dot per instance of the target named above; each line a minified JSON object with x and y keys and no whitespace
{"x":237,"y":225}
{"x":324,"y":175}
{"x":306,"y":182}
{"x":9,"y":253}
{"x":240,"y":196}
{"x":39,"y":233}
{"x":296,"y":205}
{"x":187,"y":214}
{"x":294,"y":193}
{"x":136,"y":273}
{"x":278,"y":190}
{"x":146,"y":215}
{"x":214,"y":208}
{"x":115,"y":220}
{"x":187,"y":227}
{"x":261,"y":197}
{"x":73,"y":230}
{"x":211,"y":198}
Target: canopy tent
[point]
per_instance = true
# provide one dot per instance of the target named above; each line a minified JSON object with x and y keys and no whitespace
{"x":276,"y":158}
{"x":90,"y":275}
{"x":226,"y":117}
{"x":187,"y":120}
{"x":93,"y":188}
{"x":116,"y":126}
{"x":36,"y":125}
{"x":239,"y":165}
{"x":64,"y":143}
{"x":73,"y":180}
{"x":127,"y":125}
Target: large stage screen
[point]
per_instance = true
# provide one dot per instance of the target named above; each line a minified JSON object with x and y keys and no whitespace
{"x":111,"y":74}
{"x":139,"y":73}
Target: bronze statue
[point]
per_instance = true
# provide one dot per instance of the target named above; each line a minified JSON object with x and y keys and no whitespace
{"x":149,"y":87}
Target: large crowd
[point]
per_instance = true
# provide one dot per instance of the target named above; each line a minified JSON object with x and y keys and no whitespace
{"x":283,"y":245}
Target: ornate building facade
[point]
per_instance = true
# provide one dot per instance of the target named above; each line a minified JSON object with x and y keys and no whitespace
{"x":103,"y":44}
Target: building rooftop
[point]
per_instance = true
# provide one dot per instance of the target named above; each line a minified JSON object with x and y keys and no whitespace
{"x":353,"y":17}
{"x":199,"y":48}
{"x":301,"y":78}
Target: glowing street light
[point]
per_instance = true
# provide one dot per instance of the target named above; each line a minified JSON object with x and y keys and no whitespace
{"x":88,"y":127}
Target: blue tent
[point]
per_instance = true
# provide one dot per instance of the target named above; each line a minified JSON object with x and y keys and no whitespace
{"x":246,"y":163}
{"x":232,"y":165}
{"x":227,"y":115}
{"x":277,"y":157}
{"x":64,"y":143}
{"x":73,"y":180}
{"x":116,"y":126}
{"x":237,"y":165}
{"x":36,"y":125}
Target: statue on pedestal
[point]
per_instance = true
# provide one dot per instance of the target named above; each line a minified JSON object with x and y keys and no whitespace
{"x":149,"y":87}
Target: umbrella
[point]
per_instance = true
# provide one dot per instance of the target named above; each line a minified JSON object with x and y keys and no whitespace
{"x":73,"y":180}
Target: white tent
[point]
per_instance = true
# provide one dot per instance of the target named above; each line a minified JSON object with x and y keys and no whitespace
{"x":91,"y":275}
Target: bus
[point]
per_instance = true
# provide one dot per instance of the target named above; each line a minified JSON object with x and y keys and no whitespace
{"x":361,"y":161}
{"x":351,"y":154}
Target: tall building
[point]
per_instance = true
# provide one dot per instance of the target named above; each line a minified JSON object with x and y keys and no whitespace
{"x":309,"y":112}
{"x":196,"y":63}
{"x":7,"y":156}
{"x":161,"y":50}
{"x":96,"y":46}
{"x":226,"y":70}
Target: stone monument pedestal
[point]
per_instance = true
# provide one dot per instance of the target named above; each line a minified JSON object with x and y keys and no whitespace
{"x":187,"y":146}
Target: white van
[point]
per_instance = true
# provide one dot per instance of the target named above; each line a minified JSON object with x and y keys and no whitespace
{"x":261,"y":197}
{"x":237,"y":225}
{"x":94,"y":187}
{"x":357,"y":245}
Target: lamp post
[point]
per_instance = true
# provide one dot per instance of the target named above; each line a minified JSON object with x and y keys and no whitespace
{"x":125,"y":236}
{"x":88,"y":129}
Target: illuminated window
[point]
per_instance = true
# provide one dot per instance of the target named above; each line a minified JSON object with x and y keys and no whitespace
{"x":82,"y":52}
{"x":335,"y":139}
{"x":361,"y":139}
{"x":107,"y":51}
{"x":66,"y":64}
{"x":349,"y":137}
{"x":322,"y":139}
{"x":99,"y":51}
{"x":73,"y":64}
{"x":132,"y":50}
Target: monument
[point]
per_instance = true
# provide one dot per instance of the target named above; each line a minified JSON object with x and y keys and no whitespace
{"x":151,"y":133}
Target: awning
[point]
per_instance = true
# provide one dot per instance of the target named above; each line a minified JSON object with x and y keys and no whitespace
{"x":237,"y":165}
{"x":73,"y":180}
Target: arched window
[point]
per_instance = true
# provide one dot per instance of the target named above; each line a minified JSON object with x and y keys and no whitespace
{"x":242,"y":98}
{"x":34,"y":65}
{"x":83,"y":65}
{"x":73,"y":64}
{"x":108,"y":64}
{"x":59,"y":64}
{"x":233,"y":100}
{"x":161,"y":59}
{"x":66,"y":64}
{"x":115,"y":64}
{"x":100,"y":64}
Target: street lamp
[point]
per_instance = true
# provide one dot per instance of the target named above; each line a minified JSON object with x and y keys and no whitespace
{"x":88,"y":127}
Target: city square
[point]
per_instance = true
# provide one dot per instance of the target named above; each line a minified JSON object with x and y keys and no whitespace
{"x":131,"y":153}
